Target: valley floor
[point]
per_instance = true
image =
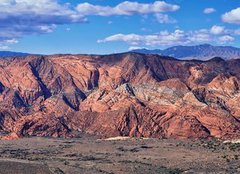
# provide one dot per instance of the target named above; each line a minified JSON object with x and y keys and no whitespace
{"x":89,"y":155}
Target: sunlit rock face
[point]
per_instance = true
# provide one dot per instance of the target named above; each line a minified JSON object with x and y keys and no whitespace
{"x":119,"y":95}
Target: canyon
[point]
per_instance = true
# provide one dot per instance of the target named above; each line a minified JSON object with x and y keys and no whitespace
{"x":127,"y":94}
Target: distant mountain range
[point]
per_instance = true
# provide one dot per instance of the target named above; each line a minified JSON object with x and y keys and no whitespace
{"x":12,"y":54}
{"x":200,"y":52}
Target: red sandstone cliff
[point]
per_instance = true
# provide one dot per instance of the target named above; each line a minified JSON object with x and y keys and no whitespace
{"x":123,"y":94}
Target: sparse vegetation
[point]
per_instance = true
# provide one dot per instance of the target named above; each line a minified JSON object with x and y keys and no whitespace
{"x":134,"y":156}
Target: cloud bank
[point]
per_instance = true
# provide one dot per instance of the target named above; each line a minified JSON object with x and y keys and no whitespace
{"x":126,"y":8}
{"x":216,"y":34}
{"x":26,"y":17}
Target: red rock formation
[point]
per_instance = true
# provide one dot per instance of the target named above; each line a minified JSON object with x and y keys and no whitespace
{"x":119,"y":95}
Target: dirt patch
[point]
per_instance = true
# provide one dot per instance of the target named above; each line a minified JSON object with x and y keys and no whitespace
{"x":14,"y":167}
{"x":87,"y":155}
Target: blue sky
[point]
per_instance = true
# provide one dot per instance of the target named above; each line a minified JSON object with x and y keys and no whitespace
{"x":109,"y":26}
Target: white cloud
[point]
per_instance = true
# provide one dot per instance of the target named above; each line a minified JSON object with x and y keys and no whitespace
{"x":67,"y":29}
{"x":25,"y":17}
{"x":166,"y":38}
{"x":232,"y":17}
{"x":47,"y":28}
{"x":199,"y":36}
{"x":217,"y":29}
{"x":5,"y":44}
{"x":209,"y":10}
{"x":126,"y":8}
{"x":237,"y":32}
{"x":4,"y":47}
{"x":11,"y":41}
{"x":133,"y":39}
{"x":135,"y":48}
{"x":164,"y":18}
{"x":163,"y":38}
{"x":226,"y":39}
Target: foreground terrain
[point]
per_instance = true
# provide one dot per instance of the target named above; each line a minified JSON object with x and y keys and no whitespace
{"x":88,"y":155}
{"x":126,"y":94}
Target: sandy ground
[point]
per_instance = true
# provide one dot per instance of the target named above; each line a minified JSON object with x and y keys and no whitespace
{"x":89,"y":155}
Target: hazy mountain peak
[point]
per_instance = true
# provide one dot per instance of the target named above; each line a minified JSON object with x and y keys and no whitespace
{"x":200,"y":52}
{"x":12,"y":54}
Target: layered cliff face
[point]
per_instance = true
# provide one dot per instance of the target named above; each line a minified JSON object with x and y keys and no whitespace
{"x":123,"y":94}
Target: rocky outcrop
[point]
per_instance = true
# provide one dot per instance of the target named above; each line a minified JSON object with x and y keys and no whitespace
{"x":119,"y":95}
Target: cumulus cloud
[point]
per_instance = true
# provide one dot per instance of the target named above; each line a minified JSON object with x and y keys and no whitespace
{"x":226,"y":39}
{"x":4,"y":47}
{"x":11,"y":41}
{"x":237,"y":32}
{"x":164,"y":18}
{"x":132,"y":39}
{"x":177,"y":37}
{"x":163,"y":38}
{"x":232,"y":17}
{"x":24,"y":17}
{"x":217,"y":29}
{"x":199,"y":36}
{"x":209,"y":10}
{"x":126,"y":8}
{"x":5,"y":44}
{"x":131,"y":48}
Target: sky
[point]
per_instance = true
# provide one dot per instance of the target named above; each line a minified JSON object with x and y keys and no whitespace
{"x":111,"y":26}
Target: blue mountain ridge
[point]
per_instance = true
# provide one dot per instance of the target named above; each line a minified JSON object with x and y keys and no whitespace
{"x":200,"y":52}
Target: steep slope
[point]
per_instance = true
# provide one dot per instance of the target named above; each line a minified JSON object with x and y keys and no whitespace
{"x":199,"y":52}
{"x":122,"y":94}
